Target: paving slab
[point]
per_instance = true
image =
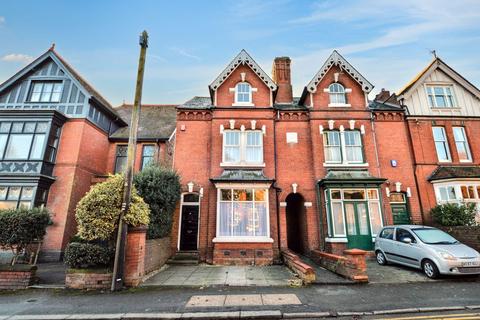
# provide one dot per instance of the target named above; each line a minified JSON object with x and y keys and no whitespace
{"x":243,"y":300}
{"x":156,"y":316}
{"x":280,"y":299}
{"x":206,"y":301}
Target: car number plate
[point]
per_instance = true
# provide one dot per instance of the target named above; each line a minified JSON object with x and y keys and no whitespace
{"x":471,"y":264}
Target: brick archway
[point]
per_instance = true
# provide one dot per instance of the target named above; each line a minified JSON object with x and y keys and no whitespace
{"x":296,"y":219}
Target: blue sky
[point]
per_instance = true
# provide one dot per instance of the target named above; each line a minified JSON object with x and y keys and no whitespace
{"x":192,"y":41}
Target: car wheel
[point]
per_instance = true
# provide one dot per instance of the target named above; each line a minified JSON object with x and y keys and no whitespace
{"x":381,"y":259}
{"x":430,"y":269}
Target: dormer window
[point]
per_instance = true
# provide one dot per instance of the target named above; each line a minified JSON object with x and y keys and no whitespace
{"x":337,"y":94}
{"x":441,"y":96}
{"x":46,"y":91}
{"x":243,"y":93}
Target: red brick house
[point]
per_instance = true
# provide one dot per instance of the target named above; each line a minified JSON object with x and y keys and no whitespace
{"x":263,"y":171}
{"x":58,"y":135}
{"x":444,"y":125}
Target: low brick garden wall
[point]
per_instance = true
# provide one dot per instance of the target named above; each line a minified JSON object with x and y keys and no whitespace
{"x":304,"y":271}
{"x":88,"y":279}
{"x":157,"y":252}
{"x":467,"y":235}
{"x":19,"y":276}
{"x":352,"y":264}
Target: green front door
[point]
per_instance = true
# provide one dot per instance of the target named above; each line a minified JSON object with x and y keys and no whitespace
{"x":358,"y":226}
{"x":400,"y":214}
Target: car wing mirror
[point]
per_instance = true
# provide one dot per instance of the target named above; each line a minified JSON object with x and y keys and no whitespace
{"x":407,"y":240}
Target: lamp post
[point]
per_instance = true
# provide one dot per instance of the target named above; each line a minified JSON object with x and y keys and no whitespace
{"x":119,"y":263}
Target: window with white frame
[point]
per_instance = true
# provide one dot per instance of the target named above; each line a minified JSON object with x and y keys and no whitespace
{"x":461,"y":142}
{"x":339,"y":223}
{"x":46,"y":91}
{"x":243,"y":93}
{"x":440,"y":96}
{"x":337,"y":95}
{"x":13,"y":197}
{"x":459,"y":192}
{"x":242,"y":213}
{"x":343,"y":147}
{"x":243,"y":147}
{"x":441,"y":144}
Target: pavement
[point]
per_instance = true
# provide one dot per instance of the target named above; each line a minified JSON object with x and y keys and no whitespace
{"x":208,"y":275}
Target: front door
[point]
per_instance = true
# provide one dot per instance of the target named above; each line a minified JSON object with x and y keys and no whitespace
{"x":358,"y":226}
{"x":189,"y":229}
{"x":400,"y":214}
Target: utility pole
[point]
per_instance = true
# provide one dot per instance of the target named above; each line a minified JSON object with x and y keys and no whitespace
{"x":119,"y":263}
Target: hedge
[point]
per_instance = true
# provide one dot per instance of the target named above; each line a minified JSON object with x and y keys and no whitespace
{"x":20,"y":227}
{"x":87,"y":255}
{"x":97,"y":213}
{"x":160,"y":188}
{"x":453,"y":214}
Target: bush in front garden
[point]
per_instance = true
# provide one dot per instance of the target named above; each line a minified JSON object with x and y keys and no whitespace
{"x":87,"y":255}
{"x":452,"y":214}
{"x":20,"y":227}
{"x":97,"y":213}
{"x":160,"y":188}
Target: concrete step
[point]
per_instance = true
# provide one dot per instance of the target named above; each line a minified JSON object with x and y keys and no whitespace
{"x":182,"y":262}
{"x":184,"y":258}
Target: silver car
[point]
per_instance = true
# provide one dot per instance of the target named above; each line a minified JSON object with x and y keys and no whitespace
{"x":426,"y":248}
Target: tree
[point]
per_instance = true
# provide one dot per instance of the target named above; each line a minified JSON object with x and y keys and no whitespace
{"x":160,"y":188}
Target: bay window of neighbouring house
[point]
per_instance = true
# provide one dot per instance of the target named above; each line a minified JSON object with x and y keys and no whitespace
{"x":343,"y":147}
{"x":23,"y":140}
{"x":243,"y":147}
{"x":441,"y":144}
{"x":461,"y":142}
{"x":343,"y":221}
{"x":459,"y":192}
{"x":440,"y":96}
{"x":46,"y":91}
{"x":243,"y":213}
{"x":13,"y":197}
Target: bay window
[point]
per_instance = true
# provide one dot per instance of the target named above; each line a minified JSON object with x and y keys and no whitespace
{"x":343,"y":147}
{"x":242,"y":213}
{"x":461,"y":142}
{"x":243,"y":147}
{"x":23,"y":140}
{"x":13,"y":197}
{"x":441,"y":144}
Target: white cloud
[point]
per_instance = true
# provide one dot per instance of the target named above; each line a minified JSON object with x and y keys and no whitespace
{"x":2,"y":20}
{"x":184,"y":53}
{"x":17,"y":57}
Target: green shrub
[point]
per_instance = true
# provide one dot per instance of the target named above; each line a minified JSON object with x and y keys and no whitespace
{"x":452,"y":214}
{"x":98,"y":212}
{"x":88,"y":255}
{"x":160,"y":188}
{"x":20,"y":227}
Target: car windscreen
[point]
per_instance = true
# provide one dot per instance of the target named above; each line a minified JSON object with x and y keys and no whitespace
{"x":434,"y":236}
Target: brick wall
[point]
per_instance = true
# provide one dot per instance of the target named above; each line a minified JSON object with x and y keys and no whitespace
{"x":135,"y":256}
{"x":352,"y":264}
{"x":16,"y":277}
{"x":157,"y":252}
{"x":259,"y":254}
{"x":88,"y":280}
{"x":467,"y":235}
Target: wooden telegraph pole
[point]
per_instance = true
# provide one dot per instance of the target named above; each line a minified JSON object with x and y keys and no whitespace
{"x":119,"y":263}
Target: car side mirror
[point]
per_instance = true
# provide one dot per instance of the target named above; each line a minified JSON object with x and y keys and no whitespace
{"x":407,"y":240}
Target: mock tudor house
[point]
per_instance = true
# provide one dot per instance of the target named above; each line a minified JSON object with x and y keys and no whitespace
{"x":444,"y":125}
{"x":264,"y":171}
{"x":58,"y":136}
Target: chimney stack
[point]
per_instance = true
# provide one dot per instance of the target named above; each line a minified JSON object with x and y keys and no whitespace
{"x":281,"y":76}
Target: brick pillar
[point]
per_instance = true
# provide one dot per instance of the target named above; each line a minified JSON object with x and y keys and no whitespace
{"x":135,"y":256}
{"x":356,"y":264}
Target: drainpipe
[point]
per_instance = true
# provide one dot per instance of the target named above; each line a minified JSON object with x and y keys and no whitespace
{"x":277,"y":189}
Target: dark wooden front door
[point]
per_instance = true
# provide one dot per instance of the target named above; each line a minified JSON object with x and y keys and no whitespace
{"x":189,"y":231}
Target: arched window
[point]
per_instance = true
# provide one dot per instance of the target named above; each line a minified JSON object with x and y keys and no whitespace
{"x":337,"y":94}
{"x":243,"y":93}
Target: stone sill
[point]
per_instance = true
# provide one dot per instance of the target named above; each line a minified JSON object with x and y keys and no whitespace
{"x":242,"y":240}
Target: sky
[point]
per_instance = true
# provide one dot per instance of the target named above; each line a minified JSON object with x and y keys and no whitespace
{"x":191,"y":42}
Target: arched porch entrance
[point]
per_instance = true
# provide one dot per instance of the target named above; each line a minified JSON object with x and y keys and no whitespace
{"x":295,"y":213}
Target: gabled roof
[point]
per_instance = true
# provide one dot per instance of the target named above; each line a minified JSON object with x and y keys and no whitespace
{"x":52,"y":54}
{"x":197,"y":103}
{"x":243,"y":58}
{"x":157,"y":122}
{"x":438,"y":63}
{"x":336,"y":59}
